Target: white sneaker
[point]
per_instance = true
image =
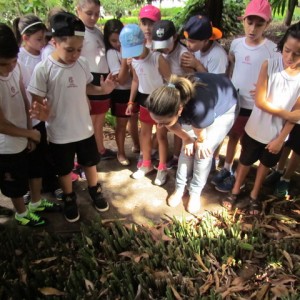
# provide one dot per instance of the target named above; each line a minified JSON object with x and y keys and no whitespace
{"x":175,"y":199}
{"x":142,"y":172}
{"x":194,"y":204}
{"x":161,"y":177}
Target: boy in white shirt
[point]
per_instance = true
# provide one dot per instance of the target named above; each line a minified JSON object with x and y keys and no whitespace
{"x":64,"y":79}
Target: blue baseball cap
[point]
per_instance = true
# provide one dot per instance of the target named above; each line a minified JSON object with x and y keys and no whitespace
{"x":132,"y":41}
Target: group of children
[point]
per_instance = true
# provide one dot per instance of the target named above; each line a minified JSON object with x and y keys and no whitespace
{"x":82,"y":73}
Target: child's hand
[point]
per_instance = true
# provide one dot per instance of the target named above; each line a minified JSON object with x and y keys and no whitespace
{"x":39,"y":111}
{"x":275,"y":145}
{"x":129,"y":108}
{"x":188,"y":60}
{"x":109,"y":84}
{"x":129,"y":61}
{"x":31,"y":145}
{"x":35,"y":136}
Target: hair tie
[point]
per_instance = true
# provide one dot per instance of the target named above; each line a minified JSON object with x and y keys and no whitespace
{"x":30,"y":25}
{"x":171,"y":85}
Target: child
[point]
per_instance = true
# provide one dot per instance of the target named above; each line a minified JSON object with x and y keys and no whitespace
{"x":30,"y":32}
{"x":149,"y":71}
{"x":147,"y":16}
{"x":94,"y":51}
{"x":64,"y":78}
{"x":208,"y":102}
{"x":166,"y":40}
{"x":120,"y":96}
{"x":277,"y":93}
{"x":16,"y":135}
{"x":246,"y":56}
{"x":280,"y":178}
{"x":209,"y":55}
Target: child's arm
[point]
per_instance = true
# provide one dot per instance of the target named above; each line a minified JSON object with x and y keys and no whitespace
{"x":39,"y":109}
{"x":6,"y":127}
{"x":133,"y":92}
{"x":124,"y":73}
{"x":106,"y":87}
{"x":275,"y":145}
{"x":188,"y":142}
{"x":188,"y":60}
{"x":262,"y":102}
{"x":231,"y":63}
{"x":164,"y":68}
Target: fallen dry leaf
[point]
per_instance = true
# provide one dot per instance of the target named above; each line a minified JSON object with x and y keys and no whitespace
{"x":22,"y":275}
{"x":44,"y":260}
{"x":288,"y":258}
{"x":88,"y":285}
{"x":208,"y":283}
{"x":280,"y":291}
{"x":49,"y":291}
{"x":175,"y":293}
{"x":260,"y":295}
{"x":201,"y":263}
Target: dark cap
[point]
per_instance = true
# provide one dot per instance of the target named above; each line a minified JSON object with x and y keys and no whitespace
{"x":200,"y":28}
{"x":162,"y":34}
{"x":66,"y":24}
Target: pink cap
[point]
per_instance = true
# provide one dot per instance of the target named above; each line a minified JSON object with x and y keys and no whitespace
{"x":260,"y":8}
{"x":150,"y":12}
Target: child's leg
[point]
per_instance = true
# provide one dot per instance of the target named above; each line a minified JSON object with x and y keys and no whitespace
{"x":91,"y":175}
{"x":261,"y":174}
{"x":19,"y":205}
{"x":66,"y":183}
{"x":120,"y":134}
{"x":292,"y":166}
{"x":98,"y":123}
{"x":133,"y":129}
{"x":283,"y":158}
{"x":145,"y":141}
{"x":240,"y":176}
{"x":230,"y":151}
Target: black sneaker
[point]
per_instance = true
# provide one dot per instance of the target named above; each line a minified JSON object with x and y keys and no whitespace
{"x":108,"y":154}
{"x":220,"y":176}
{"x":99,"y":201}
{"x":71,"y":212}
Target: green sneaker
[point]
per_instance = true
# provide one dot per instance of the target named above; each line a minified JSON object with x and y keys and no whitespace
{"x":281,"y":189}
{"x":31,"y":219}
{"x":45,"y":206}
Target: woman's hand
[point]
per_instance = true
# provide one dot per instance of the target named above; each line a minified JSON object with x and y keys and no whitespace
{"x":202,"y":150}
{"x":188,"y":146}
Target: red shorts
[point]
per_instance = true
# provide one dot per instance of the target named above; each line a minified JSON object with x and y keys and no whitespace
{"x":145,"y":116}
{"x":99,"y":107}
{"x":238,"y":128}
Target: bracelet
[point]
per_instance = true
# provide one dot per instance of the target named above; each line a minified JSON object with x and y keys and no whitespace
{"x":130,"y":102}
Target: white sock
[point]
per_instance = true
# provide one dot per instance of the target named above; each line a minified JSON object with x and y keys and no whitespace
{"x":280,"y":171}
{"x":284,"y":179}
{"x":228,"y":166}
{"x":35,"y":204}
{"x":22,"y":214}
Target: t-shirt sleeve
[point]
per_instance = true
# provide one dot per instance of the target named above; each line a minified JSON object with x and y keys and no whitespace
{"x":218,"y":62}
{"x":113,"y":61}
{"x":38,"y":81}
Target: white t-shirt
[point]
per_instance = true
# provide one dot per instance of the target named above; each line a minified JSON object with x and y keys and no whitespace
{"x":147,"y":72}
{"x":283,"y":92}
{"x":215,"y":59}
{"x":13,"y":108}
{"x":64,"y":86}
{"x":174,"y":59}
{"x":47,"y":50}
{"x":28,"y":62}
{"x":248,"y":61}
{"x":114,"y":61}
{"x":94,"y":50}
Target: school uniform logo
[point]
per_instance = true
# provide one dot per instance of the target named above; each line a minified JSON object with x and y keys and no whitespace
{"x":13,"y":91}
{"x":247,"y":60}
{"x":71,"y":83}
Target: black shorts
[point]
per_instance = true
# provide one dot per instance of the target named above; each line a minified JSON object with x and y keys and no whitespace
{"x":14,"y":174}
{"x":141,"y":98}
{"x":119,"y":100}
{"x":253,"y":151}
{"x":293,"y":141}
{"x":64,"y":155}
{"x":37,"y":157}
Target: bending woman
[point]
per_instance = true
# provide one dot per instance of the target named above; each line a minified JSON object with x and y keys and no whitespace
{"x":201,"y":110}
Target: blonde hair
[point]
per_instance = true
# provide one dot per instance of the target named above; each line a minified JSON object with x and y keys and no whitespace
{"x":167,"y":99}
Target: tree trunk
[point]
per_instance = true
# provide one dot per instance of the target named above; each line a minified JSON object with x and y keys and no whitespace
{"x":214,"y":10}
{"x":289,"y":12}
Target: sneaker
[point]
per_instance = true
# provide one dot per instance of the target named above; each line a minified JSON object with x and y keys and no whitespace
{"x":161,"y":177}
{"x":99,"y":201}
{"x":140,"y":161}
{"x":108,"y":154}
{"x":175,"y":199}
{"x":194,"y":204}
{"x":272,"y":178}
{"x":74,"y":176}
{"x":31,"y":219}
{"x":58,"y":194}
{"x":142,"y":172}
{"x":45,"y":206}
{"x":172,"y":163}
{"x":226,"y":185}
{"x":220,"y":176}
{"x":281,"y":189}
{"x":71,"y":212}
